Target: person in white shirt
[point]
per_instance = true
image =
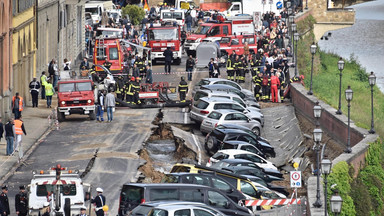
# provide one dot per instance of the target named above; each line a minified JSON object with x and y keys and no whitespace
{"x":194,"y":19}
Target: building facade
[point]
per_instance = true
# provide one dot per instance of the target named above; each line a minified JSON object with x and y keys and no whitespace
{"x":5,"y":58}
{"x":24,"y":47}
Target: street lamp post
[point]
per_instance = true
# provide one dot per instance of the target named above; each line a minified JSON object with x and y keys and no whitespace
{"x":289,"y":23}
{"x":348,"y":96}
{"x":296,"y":37}
{"x":317,"y":134}
{"x":317,"y":113}
{"x":326,"y":165}
{"x":293,"y":27}
{"x":336,"y":203}
{"x":313,"y":52}
{"x":372,"y":82}
{"x":340,"y":65}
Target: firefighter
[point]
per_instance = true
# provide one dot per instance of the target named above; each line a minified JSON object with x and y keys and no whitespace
{"x":21,"y":202}
{"x":258,"y":80}
{"x":120,"y":87}
{"x":93,"y":74}
{"x":230,"y":69}
{"x":237,"y":69}
{"x":240,"y":69}
{"x":107,"y":64}
{"x":129,"y":90}
{"x":4,"y":201}
{"x":99,"y":202}
{"x":266,"y":84}
{"x":275,"y":85}
{"x":280,"y":74}
{"x":183,"y":89}
{"x":136,"y":90}
{"x":255,"y":64}
{"x":141,"y":66}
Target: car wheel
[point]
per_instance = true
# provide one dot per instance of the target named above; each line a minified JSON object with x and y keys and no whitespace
{"x":256,"y":130}
{"x":92,"y":115}
{"x":60,"y":116}
{"x":211,"y":145}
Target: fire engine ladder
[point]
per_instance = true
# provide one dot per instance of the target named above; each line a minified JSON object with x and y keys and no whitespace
{"x":101,"y":49}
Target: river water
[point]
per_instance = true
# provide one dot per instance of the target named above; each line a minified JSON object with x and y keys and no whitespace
{"x":365,"y":39}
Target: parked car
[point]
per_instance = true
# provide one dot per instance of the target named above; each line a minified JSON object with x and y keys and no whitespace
{"x":226,"y":163}
{"x":215,"y":139}
{"x":245,"y":129}
{"x":135,"y":194}
{"x":218,"y":117}
{"x":241,"y":154}
{"x":174,"y":208}
{"x":234,"y":144}
{"x":226,"y":94}
{"x":228,"y":88}
{"x":258,"y":181}
{"x":243,"y":170}
{"x":215,"y":81}
{"x":204,"y":106}
{"x":207,"y":180}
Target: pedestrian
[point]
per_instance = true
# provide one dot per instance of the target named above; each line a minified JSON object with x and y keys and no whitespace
{"x":257,"y":89}
{"x":168,"y":55}
{"x":49,"y":91}
{"x":17,"y":105}
{"x":148,"y":75}
{"x":119,"y":87}
{"x":95,"y":77}
{"x":1,"y":128}
{"x":246,"y":50}
{"x":84,"y":65}
{"x":135,"y":71}
{"x":266,"y":81}
{"x":34,"y":87}
{"x":188,"y":21}
{"x":56,"y":74}
{"x":10,"y":136}
{"x":21,"y":202}
{"x":99,"y":202}
{"x":83,"y":210}
{"x":211,"y":67}
{"x":183,"y":89}
{"x":43,"y":79}
{"x":190,"y":64}
{"x":4,"y":201}
{"x":110,"y":105}
{"x":100,"y":107}
{"x":46,"y":210}
{"x":67,"y":65}
{"x":51,"y":71}
{"x":19,"y":130}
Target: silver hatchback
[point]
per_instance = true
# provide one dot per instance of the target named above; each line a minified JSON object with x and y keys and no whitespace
{"x":219,"y":117}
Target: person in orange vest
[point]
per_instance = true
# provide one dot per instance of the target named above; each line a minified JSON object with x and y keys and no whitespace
{"x":17,"y":105}
{"x":275,"y":83}
{"x":19,"y":130}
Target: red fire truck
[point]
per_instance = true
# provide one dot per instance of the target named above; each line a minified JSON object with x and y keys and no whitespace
{"x":235,"y":25}
{"x":160,"y":37}
{"x":236,"y":43}
{"x":109,"y":49}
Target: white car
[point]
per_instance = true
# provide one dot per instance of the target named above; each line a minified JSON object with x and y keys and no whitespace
{"x":219,"y":117}
{"x":240,"y":154}
{"x":215,"y":81}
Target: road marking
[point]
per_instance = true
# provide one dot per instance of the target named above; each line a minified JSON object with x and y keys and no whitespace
{"x":197,"y":143}
{"x":185,"y":117}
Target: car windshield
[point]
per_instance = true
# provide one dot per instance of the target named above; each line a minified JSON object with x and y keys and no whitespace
{"x":173,"y":15}
{"x":202,"y":29}
{"x":225,"y":40}
{"x":163,"y":34}
{"x":70,"y":87}
{"x":202,"y":82}
{"x":215,"y":115}
{"x":48,"y":189}
{"x":93,"y":11}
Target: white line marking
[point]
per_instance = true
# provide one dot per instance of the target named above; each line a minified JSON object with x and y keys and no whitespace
{"x":197,"y":143}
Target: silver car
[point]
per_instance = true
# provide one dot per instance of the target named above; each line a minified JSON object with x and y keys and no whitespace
{"x":218,"y":117}
{"x":204,"y":106}
{"x":191,"y":210}
{"x":214,"y":81}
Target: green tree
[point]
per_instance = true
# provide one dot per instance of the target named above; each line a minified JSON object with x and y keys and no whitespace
{"x":136,"y":14}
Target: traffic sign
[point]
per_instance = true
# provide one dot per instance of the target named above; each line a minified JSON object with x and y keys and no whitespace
{"x":264,"y":2}
{"x":270,"y":2}
{"x":295,"y":179}
{"x":279,"y":5}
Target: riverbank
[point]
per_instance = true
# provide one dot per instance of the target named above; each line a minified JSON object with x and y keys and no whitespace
{"x":326,"y":80}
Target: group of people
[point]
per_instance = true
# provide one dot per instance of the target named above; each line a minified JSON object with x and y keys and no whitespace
{"x":21,"y":202}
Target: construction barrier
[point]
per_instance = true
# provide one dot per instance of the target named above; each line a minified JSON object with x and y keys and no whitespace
{"x":275,"y":202}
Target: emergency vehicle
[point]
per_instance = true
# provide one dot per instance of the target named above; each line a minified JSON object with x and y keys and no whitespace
{"x":108,"y":48}
{"x":236,"y":43}
{"x":235,"y":25}
{"x":62,"y":188}
{"x":160,"y":37}
{"x":76,"y":97}
{"x":173,"y":15}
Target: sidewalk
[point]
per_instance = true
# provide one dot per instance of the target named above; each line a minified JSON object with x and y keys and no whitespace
{"x":36,"y":125}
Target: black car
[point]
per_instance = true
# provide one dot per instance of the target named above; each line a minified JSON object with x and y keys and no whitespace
{"x":212,"y":181}
{"x":277,"y":188}
{"x":215,"y":139}
{"x":245,"y":129}
{"x":243,"y":170}
{"x":225,"y":163}
{"x":135,"y":194}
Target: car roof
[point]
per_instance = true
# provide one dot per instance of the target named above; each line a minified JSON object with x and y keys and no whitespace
{"x":217,"y":99}
{"x":231,"y":131}
{"x":215,"y":79}
{"x":169,"y":202}
{"x":235,"y":161}
{"x":165,"y":185}
{"x":235,"y":152}
{"x":237,"y":168}
{"x":186,"y":206}
{"x":235,"y":126}
{"x":219,"y":93}
{"x":236,"y":142}
{"x":226,"y":111}
{"x":218,"y":86}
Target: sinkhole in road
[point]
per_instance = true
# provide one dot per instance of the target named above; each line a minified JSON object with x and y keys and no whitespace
{"x":161,"y":151}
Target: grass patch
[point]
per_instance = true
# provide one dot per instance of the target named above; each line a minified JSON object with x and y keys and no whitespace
{"x":326,"y":81}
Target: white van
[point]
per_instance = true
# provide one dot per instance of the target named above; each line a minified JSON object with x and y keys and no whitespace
{"x":173,"y":16}
{"x":96,"y":8}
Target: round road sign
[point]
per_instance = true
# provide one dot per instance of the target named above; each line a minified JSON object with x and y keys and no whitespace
{"x":279,"y":5}
{"x":296,"y":176}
